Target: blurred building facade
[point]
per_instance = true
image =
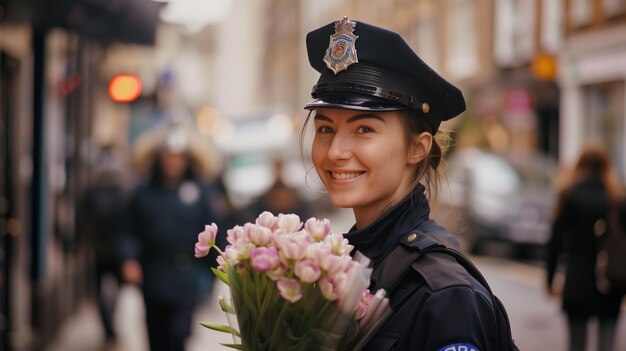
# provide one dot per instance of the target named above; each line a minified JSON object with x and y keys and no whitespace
{"x":539,"y":76}
{"x":592,"y":78}
{"x":50,"y":78}
{"x":502,"y":53}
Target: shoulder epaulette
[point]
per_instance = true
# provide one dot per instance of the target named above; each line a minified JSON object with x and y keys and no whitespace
{"x":438,"y":269}
{"x":441,"y":270}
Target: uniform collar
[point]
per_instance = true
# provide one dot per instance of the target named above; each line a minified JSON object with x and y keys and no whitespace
{"x":383,"y":235}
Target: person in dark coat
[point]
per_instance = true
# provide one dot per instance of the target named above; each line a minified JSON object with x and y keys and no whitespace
{"x":579,"y":218}
{"x":99,"y":220}
{"x":376,"y":109}
{"x":163,"y":218}
{"x":280,"y":197}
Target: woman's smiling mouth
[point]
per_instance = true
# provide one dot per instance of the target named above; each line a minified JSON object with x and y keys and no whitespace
{"x":344,"y":175}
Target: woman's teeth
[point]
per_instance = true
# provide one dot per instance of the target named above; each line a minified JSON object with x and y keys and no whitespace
{"x":343,"y":176}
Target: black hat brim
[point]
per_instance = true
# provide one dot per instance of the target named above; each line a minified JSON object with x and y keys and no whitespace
{"x":353,"y":101}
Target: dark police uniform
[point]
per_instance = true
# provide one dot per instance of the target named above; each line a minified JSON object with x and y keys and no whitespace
{"x":438,"y":306}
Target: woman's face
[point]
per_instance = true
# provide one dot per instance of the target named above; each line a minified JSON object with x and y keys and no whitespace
{"x":363,"y":160}
{"x":173,"y":165}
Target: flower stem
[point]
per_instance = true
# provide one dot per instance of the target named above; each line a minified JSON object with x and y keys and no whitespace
{"x":278,"y":325}
{"x":217,"y":249}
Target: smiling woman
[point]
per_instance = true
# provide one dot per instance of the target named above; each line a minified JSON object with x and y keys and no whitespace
{"x":376,"y":110}
{"x":362,"y":162}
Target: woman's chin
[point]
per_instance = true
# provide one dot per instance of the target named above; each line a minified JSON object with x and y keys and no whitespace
{"x":341,"y":203}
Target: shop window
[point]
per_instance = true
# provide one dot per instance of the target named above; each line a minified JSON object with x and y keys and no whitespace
{"x":462,"y":45}
{"x":514,"y":32}
{"x":613,"y":8}
{"x":581,"y":12}
{"x":604,"y":119}
{"x":551,"y":25}
{"x":426,"y":39}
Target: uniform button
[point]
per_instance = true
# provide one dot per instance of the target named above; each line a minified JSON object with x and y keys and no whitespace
{"x":411,"y":237}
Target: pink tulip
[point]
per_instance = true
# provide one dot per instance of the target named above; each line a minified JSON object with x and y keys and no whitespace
{"x":318,"y":229}
{"x":268,"y":220}
{"x":316,"y":250}
{"x":361,"y":310}
{"x":206,"y":239}
{"x":260,"y":236}
{"x":236,"y":235}
{"x":277,"y":273}
{"x":377,"y":306}
{"x":332,"y":264}
{"x":289,"y":289}
{"x":201,"y":250}
{"x":264,"y":259}
{"x":291,"y":246}
{"x":330,"y":286}
{"x":363,"y":305}
{"x":338,"y":244}
{"x":307,"y":270}
{"x":231,"y":255}
{"x":243,"y":250}
{"x":288,"y":223}
{"x":221,"y":263}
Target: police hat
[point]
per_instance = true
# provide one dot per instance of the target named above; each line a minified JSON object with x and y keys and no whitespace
{"x":364,"y":67}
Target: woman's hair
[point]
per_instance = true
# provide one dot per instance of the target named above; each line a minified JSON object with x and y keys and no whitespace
{"x":156,"y":174}
{"x":593,"y":162}
{"x":428,"y":172}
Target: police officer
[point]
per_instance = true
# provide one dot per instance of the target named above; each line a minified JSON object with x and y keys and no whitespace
{"x":376,"y":109}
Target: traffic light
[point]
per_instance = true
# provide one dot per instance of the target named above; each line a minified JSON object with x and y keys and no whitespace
{"x":544,"y":66}
{"x":125,"y":88}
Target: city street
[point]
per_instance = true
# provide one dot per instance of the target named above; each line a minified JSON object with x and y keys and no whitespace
{"x":126,"y":125}
{"x":536,"y":321}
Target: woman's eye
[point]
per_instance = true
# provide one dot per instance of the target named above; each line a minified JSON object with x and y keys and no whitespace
{"x":365,"y":130}
{"x":324,"y":130}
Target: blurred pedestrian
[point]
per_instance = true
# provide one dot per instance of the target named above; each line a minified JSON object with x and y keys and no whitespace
{"x":229,"y":214}
{"x":164,"y":217}
{"x":280,"y":197}
{"x":99,"y":223}
{"x":585,"y":198}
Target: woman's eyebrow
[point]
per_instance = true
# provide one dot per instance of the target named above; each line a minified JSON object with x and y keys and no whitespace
{"x":364,"y":116}
{"x":322,"y":118}
{"x":351,"y":119}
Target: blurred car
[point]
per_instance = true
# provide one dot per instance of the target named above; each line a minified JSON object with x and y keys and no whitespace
{"x":500,"y":199}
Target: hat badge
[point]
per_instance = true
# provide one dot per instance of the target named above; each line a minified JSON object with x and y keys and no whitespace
{"x":341,"y":51}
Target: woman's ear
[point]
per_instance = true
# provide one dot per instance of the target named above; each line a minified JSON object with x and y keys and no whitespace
{"x":419,"y":147}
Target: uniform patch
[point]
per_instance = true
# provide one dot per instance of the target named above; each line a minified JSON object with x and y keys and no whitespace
{"x":459,"y":347}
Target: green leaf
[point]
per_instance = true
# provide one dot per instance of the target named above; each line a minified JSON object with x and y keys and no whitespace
{"x":220,"y":328}
{"x":235,"y":346}
{"x":225,"y":306}
{"x":221,"y":275}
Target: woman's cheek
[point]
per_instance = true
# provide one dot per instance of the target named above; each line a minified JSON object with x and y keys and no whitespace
{"x":318,"y":152}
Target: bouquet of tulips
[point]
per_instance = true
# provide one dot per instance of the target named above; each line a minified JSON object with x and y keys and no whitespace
{"x":294,"y":286}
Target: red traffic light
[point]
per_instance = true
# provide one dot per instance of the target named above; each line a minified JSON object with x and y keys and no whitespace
{"x":125,"y":88}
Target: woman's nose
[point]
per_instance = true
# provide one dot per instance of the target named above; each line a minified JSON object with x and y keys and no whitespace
{"x":339,"y":148}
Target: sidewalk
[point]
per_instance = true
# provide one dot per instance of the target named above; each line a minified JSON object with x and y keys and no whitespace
{"x":83,"y":332}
